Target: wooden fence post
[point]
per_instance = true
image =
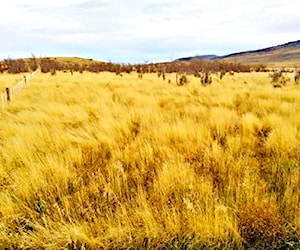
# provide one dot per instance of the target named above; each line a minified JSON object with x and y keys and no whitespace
{"x":8,"y":94}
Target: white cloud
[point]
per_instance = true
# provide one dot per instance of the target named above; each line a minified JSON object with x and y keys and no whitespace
{"x":136,"y":29}
{"x":80,"y":38}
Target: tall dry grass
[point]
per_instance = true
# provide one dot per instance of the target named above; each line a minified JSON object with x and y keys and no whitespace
{"x":103,"y":161}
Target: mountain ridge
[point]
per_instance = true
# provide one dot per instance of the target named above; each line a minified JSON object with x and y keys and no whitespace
{"x":208,"y":56}
{"x":267,"y":49}
{"x":283,"y":55}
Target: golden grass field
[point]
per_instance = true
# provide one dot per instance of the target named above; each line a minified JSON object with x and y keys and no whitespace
{"x":95,"y":161}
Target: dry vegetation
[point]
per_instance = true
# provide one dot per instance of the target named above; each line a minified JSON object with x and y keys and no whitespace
{"x":103,"y":161}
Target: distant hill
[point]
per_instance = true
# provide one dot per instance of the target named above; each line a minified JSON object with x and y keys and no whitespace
{"x":285,"y":55}
{"x":67,"y":60}
{"x":197,"y":57}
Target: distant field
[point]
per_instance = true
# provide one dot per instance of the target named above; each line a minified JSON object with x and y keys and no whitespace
{"x":102,"y":161}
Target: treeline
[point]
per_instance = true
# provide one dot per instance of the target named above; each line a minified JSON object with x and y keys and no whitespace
{"x":52,"y":65}
{"x":15,"y":66}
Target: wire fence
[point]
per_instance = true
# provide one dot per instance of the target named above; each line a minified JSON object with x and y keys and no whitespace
{"x":8,"y":94}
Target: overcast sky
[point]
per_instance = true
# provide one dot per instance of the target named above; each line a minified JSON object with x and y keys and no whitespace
{"x":144,"y":30}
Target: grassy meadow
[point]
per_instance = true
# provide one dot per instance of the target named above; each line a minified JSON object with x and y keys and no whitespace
{"x":93,"y":161}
